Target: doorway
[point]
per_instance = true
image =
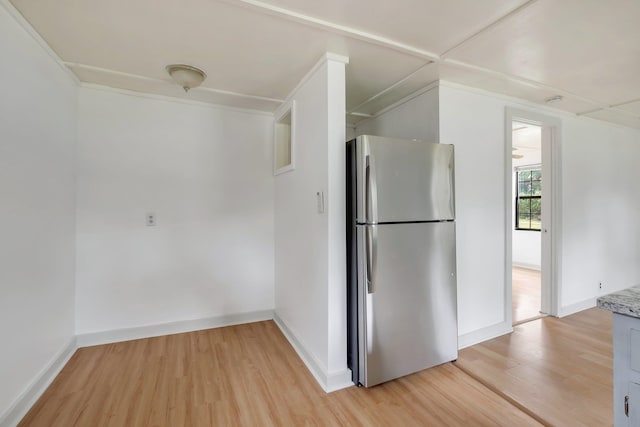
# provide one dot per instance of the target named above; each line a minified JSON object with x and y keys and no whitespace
{"x":531,"y":194}
{"x":526,"y":205}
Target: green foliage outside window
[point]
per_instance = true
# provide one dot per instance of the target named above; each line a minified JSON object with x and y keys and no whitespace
{"x":529,"y":200}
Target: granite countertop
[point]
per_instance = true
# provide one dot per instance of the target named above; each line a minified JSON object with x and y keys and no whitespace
{"x":625,"y":302}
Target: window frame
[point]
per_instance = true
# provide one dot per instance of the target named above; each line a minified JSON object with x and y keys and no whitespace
{"x":518,"y":170}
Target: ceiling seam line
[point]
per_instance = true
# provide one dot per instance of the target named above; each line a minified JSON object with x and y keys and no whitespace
{"x":338,"y":29}
{"x":408,"y":49}
{"x":153,"y":79}
{"x":625,"y":103}
{"x":394,"y":85}
{"x":609,"y":108}
{"x":501,"y":19}
{"x":524,"y":81}
{"x":404,"y":100}
{"x":172,"y":98}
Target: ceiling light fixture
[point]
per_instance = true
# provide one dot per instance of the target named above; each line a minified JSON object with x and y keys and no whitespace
{"x":554,"y":99}
{"x":186,"y":76}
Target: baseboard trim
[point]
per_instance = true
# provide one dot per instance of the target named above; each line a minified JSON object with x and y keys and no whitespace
{"x":527,"y":266}
{"x":576,"y":307}
{"x":484,"y":334}
{"x":339,"y":380}
{"x":128,"y":334}
{"x":34,"y":390}
{"x":328,"y":381}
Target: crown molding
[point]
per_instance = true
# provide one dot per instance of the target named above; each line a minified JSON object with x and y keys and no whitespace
{"x":173,"y":99}
{"x":354,"y":111}
{"x":409,"y":97}
{"x":20,"y":20}
{"x":170,"y":83}
{"x":328,"y":56}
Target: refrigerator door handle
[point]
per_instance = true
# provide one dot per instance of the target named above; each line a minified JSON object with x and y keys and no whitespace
{"x":371,"y":191}
{"x":372,"y":257}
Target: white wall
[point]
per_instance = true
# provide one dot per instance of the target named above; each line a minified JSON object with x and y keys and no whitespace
{"x":310,"y":276}
{"x":206,"y":173}
{"x":600,"y":238}
{"x":475,"y":125}
{"x":600,"y":209}
{"x":37,"y":247}
{"x":415,"y":118}
{"x":598,"y":183}
{"x":350,"y":133}
{"x":526,"y":249}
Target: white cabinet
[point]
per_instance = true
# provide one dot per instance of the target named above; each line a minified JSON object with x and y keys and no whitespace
{"x":626,"y":371}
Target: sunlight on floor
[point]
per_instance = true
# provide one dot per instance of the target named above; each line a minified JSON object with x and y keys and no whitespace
{"x":526,"y":293}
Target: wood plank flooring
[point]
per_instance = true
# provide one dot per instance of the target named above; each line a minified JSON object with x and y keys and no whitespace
{"x":249,"y":375}
{"x":559,"y":369}
{"x":548,"y":372}
{"x":525,"y":289}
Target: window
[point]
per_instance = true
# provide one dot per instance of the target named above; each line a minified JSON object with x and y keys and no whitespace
{"x":284,"y":140}
{"x":528,"y":199}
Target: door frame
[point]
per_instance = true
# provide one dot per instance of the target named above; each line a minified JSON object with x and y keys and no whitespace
{"x":551,"y":215}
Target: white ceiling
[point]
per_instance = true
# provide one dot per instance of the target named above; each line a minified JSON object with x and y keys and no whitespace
{"x":526,"y":144}
{"x":255,"y":52}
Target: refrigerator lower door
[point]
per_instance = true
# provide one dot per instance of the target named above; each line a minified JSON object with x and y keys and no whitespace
{"x":407,"y":308}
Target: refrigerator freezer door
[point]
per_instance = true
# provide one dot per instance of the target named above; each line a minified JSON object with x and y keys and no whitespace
{"x":409,"y":321}
{"x":403,"y":181}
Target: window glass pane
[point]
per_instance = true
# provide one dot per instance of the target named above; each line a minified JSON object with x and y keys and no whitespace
{"x":536,"y":206}
{"x":524,"y":206}
{"x":524,"y":176}
{"x":536,"y":221}
{"x":536,"y":188}
{"x":536,"y":174}
{"x":524,"y":215}
{"x":524,"y":221}
{"x":524,"y":188}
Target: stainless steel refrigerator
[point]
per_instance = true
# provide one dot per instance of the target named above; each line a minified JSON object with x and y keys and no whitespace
{"x":401,"y":258}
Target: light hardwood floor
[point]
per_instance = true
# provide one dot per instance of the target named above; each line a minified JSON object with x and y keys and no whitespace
{"x":558,"y":372}
{"x":558,"y":369}
{"x":525,"y":294}
{"x":249,"y":375}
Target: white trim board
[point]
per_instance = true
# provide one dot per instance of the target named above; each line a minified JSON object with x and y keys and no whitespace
{"x":567,"y":310}
{"x":335,"y":28}
{"x":38,"y":385}
{"x":26,"y":26}
{"x":329,"y":381}
{"x":157,"y":330}
{"x":484,"y":334}
{"x":526,"y":265}
{"x":174,"y":99}
{"x":417,"y":93}
{"x":168,"y":82}
{"x":328,"y":56}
